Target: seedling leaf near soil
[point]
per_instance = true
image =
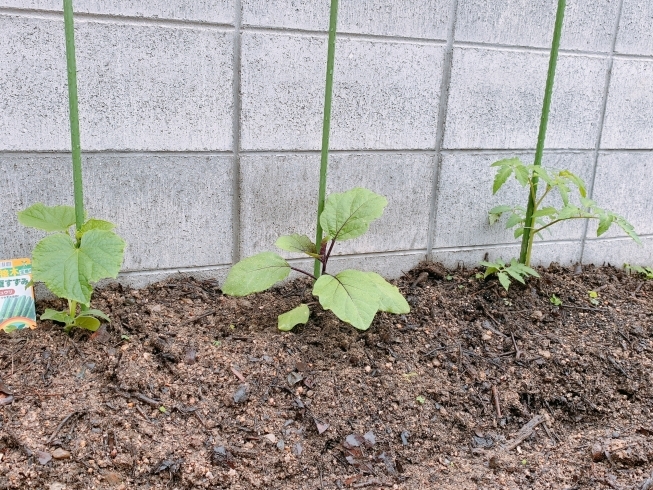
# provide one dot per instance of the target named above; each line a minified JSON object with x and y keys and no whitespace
{"x":296,"y":316}
{"x":506,"y":273}
{"x":353,"y":296}
{"x":69,"y":266}
{"x":647,"y":272}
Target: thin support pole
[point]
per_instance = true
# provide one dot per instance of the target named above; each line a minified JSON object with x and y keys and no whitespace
{"x":326,"y":128}
{"x":527,"y":238}
{"x":74,"y":112}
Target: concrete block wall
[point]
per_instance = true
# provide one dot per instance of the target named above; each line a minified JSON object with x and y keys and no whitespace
{"x":201,"y":123}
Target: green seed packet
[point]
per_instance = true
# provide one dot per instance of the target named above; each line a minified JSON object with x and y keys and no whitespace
{"x":17,"y":309}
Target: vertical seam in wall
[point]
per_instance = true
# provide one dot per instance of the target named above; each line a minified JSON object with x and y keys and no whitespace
{"x":235,"y":218}
{"x":442,"y":116}
{"x":597,"y":147}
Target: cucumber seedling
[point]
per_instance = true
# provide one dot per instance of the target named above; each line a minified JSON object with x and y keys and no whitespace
{"x":68,"y":262}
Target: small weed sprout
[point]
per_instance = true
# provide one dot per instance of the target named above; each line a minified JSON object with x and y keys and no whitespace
{"x":555,"y":301}
{"x":353,"y":296}
{"x":647,"y":272}
{"x":505,"y":272}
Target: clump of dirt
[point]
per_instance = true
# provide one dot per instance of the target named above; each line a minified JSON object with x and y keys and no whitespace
{"x":475,"y":388}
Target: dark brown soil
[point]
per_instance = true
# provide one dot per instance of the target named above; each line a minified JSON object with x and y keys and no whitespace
{"x":191,"y":389}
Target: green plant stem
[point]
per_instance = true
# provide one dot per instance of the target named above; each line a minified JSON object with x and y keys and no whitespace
{"x":72,"y":308}
{"x":537,"y":230}
{"x":74,"y":113}
{"x":527,"y":238}
{"x":326,"y":127}
{"x":303,"y":272}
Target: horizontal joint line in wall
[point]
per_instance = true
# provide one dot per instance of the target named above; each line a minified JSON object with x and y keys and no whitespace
{"x":335,"y":152}
{"x":364,"y":255}
{"x":117,"y":19}
{"x":633,"y":57}
{"x":343,"y":35}
{"x":172,"y":270}
{"x":616,"y":238}
{"x":465,"y":248}
{"x":528,"y":49}
{"x":492,"y":151}
{"x":116,"y":153}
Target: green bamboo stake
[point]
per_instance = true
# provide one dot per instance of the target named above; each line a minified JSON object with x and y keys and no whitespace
{"x":326,"y":128}
{"x":527,"y":238}
{"x":74,"y":112}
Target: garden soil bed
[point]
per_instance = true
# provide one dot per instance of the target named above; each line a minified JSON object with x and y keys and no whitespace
{"x":474,"y":389}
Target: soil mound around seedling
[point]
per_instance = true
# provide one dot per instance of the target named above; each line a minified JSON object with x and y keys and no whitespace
{"x":475,"y":388}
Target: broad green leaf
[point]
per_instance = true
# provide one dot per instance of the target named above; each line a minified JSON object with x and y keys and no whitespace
{"x":255,"y":274}
{"x":390,"y":299}
{"x":501,"y":177}
{"x":576,"y":180}
{"x":48,"y":218}
{"x":296,"y":316}
{"x":97,"y":224}
{"x":87,"y":322}
{"x":519,"y":232}
{"x":57,"y":316}
{"x":489,"y":271}
{"x":297,"y":243}
{"x":628,"y":228}
{"x":504,"y":280}
{"x":68,"y":271}
{"x":348,"y":215}
{"x":351,"y":295}
{"x":96,"y":313}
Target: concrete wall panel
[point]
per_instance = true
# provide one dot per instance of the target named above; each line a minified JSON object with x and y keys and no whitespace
{"x":140,"y":87}
{"x":279,"y":197}
{"x":588,"y":25}
{"x":426,"y":19}
{"x":465,"y":197}
{"x":386,"y":94}
{"x":623,"y":185}
{"x":216,"y":11}
{"x":619,"y":252}
{"x":496,"y":99}
{"x":636,"y":28}
{"x":629,"y":113}
{"x":173,"y":211}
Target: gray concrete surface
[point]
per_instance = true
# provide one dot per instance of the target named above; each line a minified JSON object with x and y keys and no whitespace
{"x":201,"y":122}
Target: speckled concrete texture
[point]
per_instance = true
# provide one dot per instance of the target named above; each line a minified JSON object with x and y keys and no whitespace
{"x":286,"y":198}
{"x":387,"y":93}
{"x":496,"y":99}
{"x":425,"y":19}
{"x":173,"y":211}
{"x":214,"y":11}
{"x":201,"y":123}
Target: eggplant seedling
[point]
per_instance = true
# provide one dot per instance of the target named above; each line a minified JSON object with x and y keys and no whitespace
{"x":354,"y":296}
